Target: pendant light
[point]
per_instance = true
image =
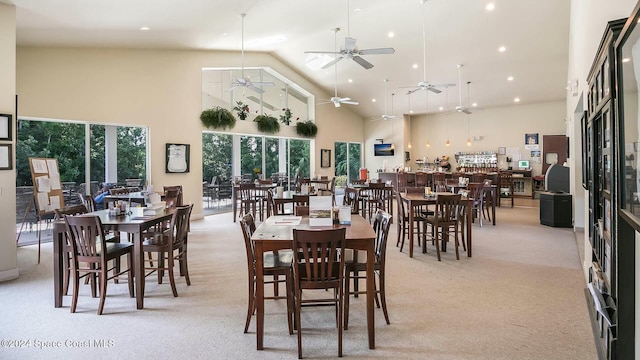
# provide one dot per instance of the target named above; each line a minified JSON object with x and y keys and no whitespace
{"x":468,"y":117}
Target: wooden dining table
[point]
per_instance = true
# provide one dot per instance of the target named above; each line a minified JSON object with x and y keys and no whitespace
{"x":414,"y":200}
{"x":270,"y":236}
{"x":135,"y":223}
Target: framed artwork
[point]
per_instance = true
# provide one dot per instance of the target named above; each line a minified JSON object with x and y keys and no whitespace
{"x":325,"y":158}
{"x":585,"y":150}
{"x":531,"y":139}
{"x":502,"y":150}
{"x":6,"y":157}
{"x":177,"y":160}
{"x":5,"y":127}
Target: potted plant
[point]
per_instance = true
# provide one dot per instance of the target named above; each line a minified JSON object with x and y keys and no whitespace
{"x":218,"y":118}
{"x":267,"y":124}
{"x":306,"y":128}
{"x":285,"y":118}
{"x":242,"y":110}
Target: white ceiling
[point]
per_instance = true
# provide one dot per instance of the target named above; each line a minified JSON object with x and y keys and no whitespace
{"x":535,"y":33}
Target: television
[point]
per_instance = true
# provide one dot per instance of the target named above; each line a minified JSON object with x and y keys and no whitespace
{"x":383,"y":150}
{"x":523,"y":164}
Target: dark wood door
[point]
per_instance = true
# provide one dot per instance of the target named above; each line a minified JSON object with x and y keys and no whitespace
{"x":558,"y":144}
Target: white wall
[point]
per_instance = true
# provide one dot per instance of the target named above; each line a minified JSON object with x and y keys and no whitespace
{"x":160,"y":89}
{"x":8,"y":257}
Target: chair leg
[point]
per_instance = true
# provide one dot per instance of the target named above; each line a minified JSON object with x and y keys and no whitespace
{"x":299,"y":323}
{"x":130,"y":273}
{"x":103,"y":290}
{"x":438,"y":241}
{"x":347,"y":290}
{"x":67,"y":273}
{"x":383,"y":297}
{"x":183,"y":265}
{"x":340,"y":318}
{"x":251,"y":304}
{"x":172,"y":280}
{"x":161,"y":266}
{"x":76,"y":285}
{"x":289,"y":290}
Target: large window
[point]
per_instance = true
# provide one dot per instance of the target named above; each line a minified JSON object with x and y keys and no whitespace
{"x":348,"y":159}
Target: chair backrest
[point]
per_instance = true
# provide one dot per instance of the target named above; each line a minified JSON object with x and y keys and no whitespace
{"x":505,"y":178}
{"x":71,"y":210}
{"x":174,"y":191}
{"x":440,"y":185}
{"x":358,"y":181}
{"x":381,"y":226}
{"x":402,"y":211}
{"x":376,"y":191}
{"x":351,"y":198}
{"x":438,"y":177}
{"x":271,"y":205}
{"x":414,"y":190}
{"x":118,"y":191}
{"x":487,"y":182}
{"x":180,"y":224}
{"x":301,"y":210}
{"x":246,"y":192}
{"x":479,"y":177}
{"x":446,"y":211}
{"x":86,"y":236}
{"x":300,"y":200}
{"x":265,"y":182}
{"x":248,"y":226}
{"x":320,"y":257}
{"x":421,"y":179}
{"x":88,"y":201}
{"x":475,"y":191}
{"x":402,"y":181}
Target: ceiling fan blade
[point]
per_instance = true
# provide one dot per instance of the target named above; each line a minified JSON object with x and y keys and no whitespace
{"x":412,"y":91}
{"x":434,"y":90}
{"x":349,"y":43}
{"x":379,"y":51}
{"x":344,"y":99}
{"x":241,"y":81}
{"x":263,"y":83}
{"x":332,"y":62}
{"x":466,"y":111}
{"x":256,"y":89}
{"x":350,"y":102}
{"x":322,"y":52}
{"x":364,"y":63}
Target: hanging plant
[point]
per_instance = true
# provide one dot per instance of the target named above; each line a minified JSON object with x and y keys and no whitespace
{"x":241,"y":109}
{"x":267,"y":124}
{"x":285,"y":118}
{"x":306,"y":128}
{"x":218,"y":118}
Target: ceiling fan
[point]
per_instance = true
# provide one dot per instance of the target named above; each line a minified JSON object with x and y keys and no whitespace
{"x":460,"y":108}
{"x":336,"y":100}
{"x":424,"y":84}
{"x":242,"y":81}
{"x":385,"y":116}
{"x":351,"y":51}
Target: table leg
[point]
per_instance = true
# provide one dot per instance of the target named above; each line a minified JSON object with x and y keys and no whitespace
{"x":138,"y":268}
{"x":371,"y":325}
{"x":469,"y":216}
{"x":259,"y":295}
{"x":493,"y":205}
{"x":58,"y":257}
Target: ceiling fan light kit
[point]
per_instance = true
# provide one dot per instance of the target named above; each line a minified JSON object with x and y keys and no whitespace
{"x":336,"y":100}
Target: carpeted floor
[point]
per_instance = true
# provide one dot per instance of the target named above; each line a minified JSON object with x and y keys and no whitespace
{"x":519,"y":297}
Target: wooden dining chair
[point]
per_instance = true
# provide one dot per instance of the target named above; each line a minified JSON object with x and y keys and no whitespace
{"x":352,"y":199}
{"x":170,"y":246}
{"x":505,"y":185}
{"x":173,"y":194}
{"x":275,"y":264}
{"x":301,"y":210}
{"x":444,"y":222}
{"x":421,"y":179}
{"x":88,"y":201}
{"x":403,"y":221}
{"x":247,"y":201}
{"x":319,"y":265}
{"x":375,"y":199}
{"x":355,"y":270}
{"x":91,"y":254}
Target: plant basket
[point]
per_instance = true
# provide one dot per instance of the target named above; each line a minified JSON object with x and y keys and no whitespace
{"x":307,"y":128}
{"x":218,"y":118}
{"x":267,"y":124}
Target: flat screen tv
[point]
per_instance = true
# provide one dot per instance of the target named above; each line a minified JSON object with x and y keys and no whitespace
{"x":382,"y":150}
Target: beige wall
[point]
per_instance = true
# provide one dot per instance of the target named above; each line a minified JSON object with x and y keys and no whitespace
{"x":160,"y":89}
{"x":501,"y":126}
{"x":8,"y":258}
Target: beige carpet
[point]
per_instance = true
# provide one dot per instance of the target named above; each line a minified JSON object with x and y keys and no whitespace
{"x":519,"y":297}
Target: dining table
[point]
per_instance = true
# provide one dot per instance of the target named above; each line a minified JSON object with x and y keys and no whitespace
{"x":134,"y":223}
{"x":414,"y":200}
{"x":136,"y":197}
{"x":276,"y":233}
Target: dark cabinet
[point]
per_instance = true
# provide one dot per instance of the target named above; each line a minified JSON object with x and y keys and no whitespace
{"x":555,"y":209}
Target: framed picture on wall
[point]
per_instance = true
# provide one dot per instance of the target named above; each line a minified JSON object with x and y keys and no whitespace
{"x":6,"y":156}
{"x":325,"y":158}
{"x":177,"y":160}
{"x":5,"y":127}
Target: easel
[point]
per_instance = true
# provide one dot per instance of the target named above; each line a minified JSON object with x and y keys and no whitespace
{"x":47,"y":192}
{"x":40,"y":218}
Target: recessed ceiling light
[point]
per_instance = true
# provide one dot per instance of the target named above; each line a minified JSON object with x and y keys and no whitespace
{"x":440,"y":108}
{"x":373,"y":100}
{"x":357,"y":9}
{"x":626,"y":60}
{"x":391,"y":34}
{"x":510,"y":78}
{"x":145,"y":28}
{"x":415,"y":66}
{"x":490,"y":6}
{"x":502,"y":49}
{"x":474,"y":104}
{"x":225,"y":34}
{"x":516,"y":100}
{"x":410,"y":111}
{"x":350,"y":80}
